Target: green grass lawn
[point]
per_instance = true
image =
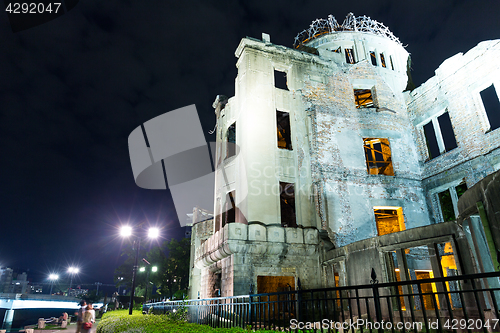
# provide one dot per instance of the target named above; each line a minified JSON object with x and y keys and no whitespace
{"x":120,"y":321}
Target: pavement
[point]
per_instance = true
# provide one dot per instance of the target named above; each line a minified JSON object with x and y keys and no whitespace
{"x":71,"y":328}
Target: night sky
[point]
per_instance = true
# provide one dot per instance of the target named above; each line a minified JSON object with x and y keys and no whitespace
{"x":72,"y":90}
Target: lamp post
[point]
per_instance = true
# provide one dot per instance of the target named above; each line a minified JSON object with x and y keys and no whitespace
{"x":126,"y":231}
{"x":72,"y":271}
{"x":52,"y":277}
{"x":142,"y":269}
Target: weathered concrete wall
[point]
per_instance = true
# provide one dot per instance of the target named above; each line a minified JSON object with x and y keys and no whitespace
{"x":456,"y":89}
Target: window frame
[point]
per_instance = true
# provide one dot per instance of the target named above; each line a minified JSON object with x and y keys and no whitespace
{"x":496,"y":88}
{"x":437,"y":134}
{"x":375,"y":161}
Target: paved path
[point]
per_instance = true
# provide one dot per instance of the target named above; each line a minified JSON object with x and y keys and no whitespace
{"x":71,"y":328}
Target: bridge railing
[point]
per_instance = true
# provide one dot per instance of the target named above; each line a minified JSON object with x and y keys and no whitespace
{"x":45,"y":297}
{"x":466,"y":303}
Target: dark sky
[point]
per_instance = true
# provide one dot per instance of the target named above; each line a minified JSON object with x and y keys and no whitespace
{"x":72,"y":90}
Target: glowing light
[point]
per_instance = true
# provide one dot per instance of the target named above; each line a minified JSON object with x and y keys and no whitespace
{"x":154,"y":269}
{"x":142,"y":269}
{"x":126,"y":231}
{"x":73,"y":270}
{"x":53,"y":276}
{"x":153,"y":233}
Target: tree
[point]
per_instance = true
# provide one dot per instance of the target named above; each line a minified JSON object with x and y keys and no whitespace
{"x":174,"y":275}
{"x":123,"y":274}
{"x":172,"y":261}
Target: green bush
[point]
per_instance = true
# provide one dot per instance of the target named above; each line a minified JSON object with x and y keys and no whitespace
{"x":120,"y":321}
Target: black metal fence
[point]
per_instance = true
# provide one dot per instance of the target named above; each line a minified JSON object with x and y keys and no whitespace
{"x":466,"y":303}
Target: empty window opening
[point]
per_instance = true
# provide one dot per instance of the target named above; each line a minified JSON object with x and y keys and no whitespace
{"x":392,"y":64}
{"x":378,"y":156}
{"x":283,"y":130}
{"x":439,"y":135}
{"x":491,"y":106}
{"x":349,"y":56}
{"x":444,"y":122}
{"x":280,"y":80}
{"x":389,"y":220}
{"x":448,"y":201}
{"x":373,"y":58}
{"x":382,"y":60}
{"x":231,"y":141}
{"x":229,"y":209}
{"x":363,"y":98}
{"x":430,"y":140}
{"x":287,"y":205}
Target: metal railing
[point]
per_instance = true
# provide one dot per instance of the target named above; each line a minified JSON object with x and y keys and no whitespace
{"x":466,"y":303}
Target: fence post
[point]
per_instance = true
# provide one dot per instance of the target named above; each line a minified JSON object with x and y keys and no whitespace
{"x":299,"y":300}
{"x":376,"y":300}
{"x":250,"y":319}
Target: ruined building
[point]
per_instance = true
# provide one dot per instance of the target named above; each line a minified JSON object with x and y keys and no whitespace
{"x":329,"y":165}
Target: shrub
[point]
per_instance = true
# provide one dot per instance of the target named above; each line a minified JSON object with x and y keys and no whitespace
{"x":121,"y":322}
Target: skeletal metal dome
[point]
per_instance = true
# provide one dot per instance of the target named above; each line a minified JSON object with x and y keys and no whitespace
{"x":321,"y":27}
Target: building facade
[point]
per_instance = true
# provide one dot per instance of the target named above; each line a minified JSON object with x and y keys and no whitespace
{"x":329,"y":166}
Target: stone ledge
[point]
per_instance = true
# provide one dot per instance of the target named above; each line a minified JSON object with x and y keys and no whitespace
{"x":256,"y":239}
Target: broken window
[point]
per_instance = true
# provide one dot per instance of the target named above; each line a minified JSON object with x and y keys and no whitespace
{"x":231,"y":141}
{"x":448,"y":200}
{"x":378,"y":156}
{"x":283,"y":130}
{"x":229,"y":209}
{"x":382,"y":60}
{"x":389,"y":220}
{"x":280,"y":80}
{"x":287,"y":205}
{"x":491,"y":106}
{"x":373,"y":58}
{"x":392,"y":64}
{"x":439,"y":135}
{"x":349,"y":56}
{"x":363,"y":98}
{"x":338,"y":50}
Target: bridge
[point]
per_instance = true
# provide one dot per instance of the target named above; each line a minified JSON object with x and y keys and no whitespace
{"x":58,"y":303}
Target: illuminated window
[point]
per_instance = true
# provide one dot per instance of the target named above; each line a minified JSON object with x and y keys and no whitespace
{"x":439,"y":135}
{"x":382,"y":60}
{"x":492,"y":106}
{"x":363,"y":98}
{"x":373,"y":58}
{"x":378,"y":156}
{"x":231,"y":141}
{"x":287,"y":205}
{"x":389,"y":219}
{"x":280,"y":80}
{"x":349,"y":56}
{"x":283,"y":130}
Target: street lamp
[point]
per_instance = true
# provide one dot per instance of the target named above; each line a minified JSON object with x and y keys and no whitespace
{"x":72,"y":271}
{"x":142,"y":269}
{"x":52,"y":277}
{"x":126,"y":231}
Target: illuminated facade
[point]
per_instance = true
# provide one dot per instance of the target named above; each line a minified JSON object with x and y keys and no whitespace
{"x":328,"y":165}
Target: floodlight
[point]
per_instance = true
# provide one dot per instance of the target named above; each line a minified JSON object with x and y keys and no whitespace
{"x":153,"y":233}
{"x":126,"y":231}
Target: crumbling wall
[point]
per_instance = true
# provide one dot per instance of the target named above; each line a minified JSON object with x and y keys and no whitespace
{"x":456,"y":89}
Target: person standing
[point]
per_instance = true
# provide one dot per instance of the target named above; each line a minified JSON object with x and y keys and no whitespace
{"x":79,"y":316}
{"x":88,"y":319}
